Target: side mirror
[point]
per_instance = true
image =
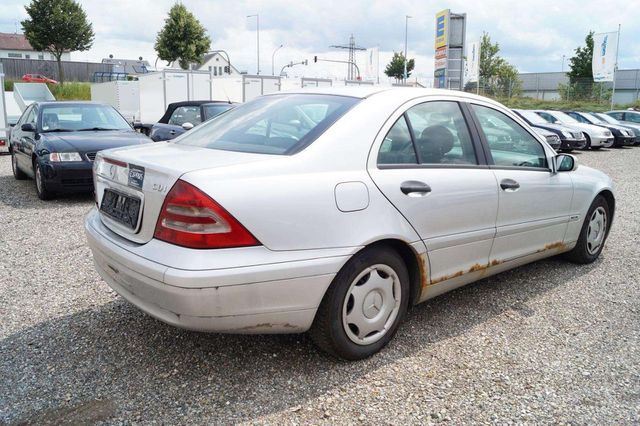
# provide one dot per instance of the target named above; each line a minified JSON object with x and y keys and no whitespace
{"x":565,"y":163}
{"x":28,"y":127}
{"x":187,"y":126}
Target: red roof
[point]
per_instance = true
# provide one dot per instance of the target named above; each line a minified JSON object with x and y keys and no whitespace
{"x":10,"y":41}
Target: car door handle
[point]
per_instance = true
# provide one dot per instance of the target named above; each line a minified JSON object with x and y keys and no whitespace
{"x":173,"y":132}
{"x":509,"y":185}
{"x":415,"y":187}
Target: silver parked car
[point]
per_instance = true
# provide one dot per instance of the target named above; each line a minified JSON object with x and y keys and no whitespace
{"x":335,"y":209}
{"x":597,"y":137}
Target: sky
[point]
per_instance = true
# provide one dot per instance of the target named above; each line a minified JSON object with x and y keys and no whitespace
{"x":533,"y":35}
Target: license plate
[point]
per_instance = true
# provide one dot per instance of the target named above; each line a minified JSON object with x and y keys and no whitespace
{"x":121,"y":208}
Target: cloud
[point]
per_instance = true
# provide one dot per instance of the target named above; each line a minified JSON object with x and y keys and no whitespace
{"x":533,"y":35}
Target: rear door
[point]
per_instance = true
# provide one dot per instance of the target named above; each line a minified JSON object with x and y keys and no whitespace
{"x":427,"y":162}
{"x":534,"y":202}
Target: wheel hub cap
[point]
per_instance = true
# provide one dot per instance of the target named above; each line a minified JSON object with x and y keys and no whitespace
{"x":371,"y":304}
{"x":596,"y":230}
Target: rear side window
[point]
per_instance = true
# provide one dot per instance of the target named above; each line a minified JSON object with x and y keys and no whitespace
{"x":510,"y":144}
{"x":274,"y":124}
{"x":629,"y":116}
{"x":429,"y":133}
{"x":441,"y":134}
{"x":397,"y":147}
{"x":186,"y":114}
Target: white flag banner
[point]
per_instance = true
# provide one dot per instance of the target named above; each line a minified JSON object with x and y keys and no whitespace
{"x":472,"y":63}
{"x":604,"y":56}
{"x":371,"y":66}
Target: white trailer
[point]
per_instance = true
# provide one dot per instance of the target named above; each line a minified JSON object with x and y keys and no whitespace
{"x":122,"y":95}
{"x":27,"y":93}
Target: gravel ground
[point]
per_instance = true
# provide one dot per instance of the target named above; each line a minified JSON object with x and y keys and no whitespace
{"x":549,"y":342}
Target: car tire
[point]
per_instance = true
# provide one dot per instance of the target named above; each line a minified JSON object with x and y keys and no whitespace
{"x":588,"y":143}
{"x":41,"y":186}
{"x":593,"y":234}
{"x":17,"y":173}
{"x":364,"y":305}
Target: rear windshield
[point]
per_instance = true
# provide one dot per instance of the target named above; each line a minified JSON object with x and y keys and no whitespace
{"x":274,"y":124}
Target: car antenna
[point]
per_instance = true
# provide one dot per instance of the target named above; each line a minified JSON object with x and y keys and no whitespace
{"x":226,"y":95}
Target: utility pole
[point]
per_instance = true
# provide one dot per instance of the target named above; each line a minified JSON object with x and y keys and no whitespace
{"x":562,"y":63}
{"x":406,"y":29}
{"x":352,"y":55}
{"x":272,"y":58}
{"x":257,"y":16}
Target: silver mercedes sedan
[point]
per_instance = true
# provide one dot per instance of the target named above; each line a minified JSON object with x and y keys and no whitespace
{"x":335,"y":210}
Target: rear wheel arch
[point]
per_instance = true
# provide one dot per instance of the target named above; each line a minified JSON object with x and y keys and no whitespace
{"x":411,"y":260}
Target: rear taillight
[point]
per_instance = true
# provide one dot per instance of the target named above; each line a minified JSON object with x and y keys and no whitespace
{"x":190,"y":218}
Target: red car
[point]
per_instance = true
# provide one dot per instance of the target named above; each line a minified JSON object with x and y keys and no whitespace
{"x":37,"y":78}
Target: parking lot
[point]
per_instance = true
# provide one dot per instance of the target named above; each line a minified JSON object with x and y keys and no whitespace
{"x":550,"y":342}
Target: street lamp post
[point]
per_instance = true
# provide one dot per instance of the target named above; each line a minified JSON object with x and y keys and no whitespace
{"x":257,"y":16}
{"x":272,"y":59}
{"x":562,"y":63}
{"x":406,"y":29}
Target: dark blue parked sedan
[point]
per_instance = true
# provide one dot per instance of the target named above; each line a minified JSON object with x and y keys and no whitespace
{"x":55,"y":144}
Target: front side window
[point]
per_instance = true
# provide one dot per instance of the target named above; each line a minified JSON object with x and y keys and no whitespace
{"x":273,"y":124}
{"x":510,"y":144}
{"x":186,"y":114}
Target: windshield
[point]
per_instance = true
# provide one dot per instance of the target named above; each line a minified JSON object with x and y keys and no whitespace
{"x":212,"y":110}
{"x":274,"y":124}
{"x":533,"y":117}
{"x":562,"y":117}
{"x":74,"y":118}
{"x":607,"y":118}
{"x":593,"y":118}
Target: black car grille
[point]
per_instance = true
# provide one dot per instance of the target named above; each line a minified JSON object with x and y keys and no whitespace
{"x":91,"y":156}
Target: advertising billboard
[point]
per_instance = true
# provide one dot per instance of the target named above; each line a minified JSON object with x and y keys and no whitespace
{"x":442,"y":19}
{"x":472,"y":63}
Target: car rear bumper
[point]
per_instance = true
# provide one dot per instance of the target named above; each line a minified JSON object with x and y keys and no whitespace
{"x":68,"y":177}
{"x":280,"y":297}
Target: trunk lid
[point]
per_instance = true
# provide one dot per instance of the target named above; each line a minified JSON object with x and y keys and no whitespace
{"x":145,"y":174}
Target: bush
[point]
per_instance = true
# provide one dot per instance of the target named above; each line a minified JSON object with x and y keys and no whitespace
{"x":71,"y":91}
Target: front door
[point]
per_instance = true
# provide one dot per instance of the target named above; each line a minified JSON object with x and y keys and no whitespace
{"x":534,"y":202}
{"x":431,"y":169}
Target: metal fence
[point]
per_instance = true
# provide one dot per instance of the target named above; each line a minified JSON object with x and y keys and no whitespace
{"x":557,"y":86}
{"x":14,"y":69}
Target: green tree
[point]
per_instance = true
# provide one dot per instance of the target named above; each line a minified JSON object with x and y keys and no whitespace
{"x":57,"y":26}
{"x":498,"y":76}
{"x":581,"y":85}
{"x":183,"y":38}
{"x":580,"y":64}
{"x":395,"y":68}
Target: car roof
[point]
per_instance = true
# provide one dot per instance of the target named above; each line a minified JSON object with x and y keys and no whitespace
{"x":398,"y":92}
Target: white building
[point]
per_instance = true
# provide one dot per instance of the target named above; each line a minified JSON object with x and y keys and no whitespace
{"x":16,"y":46}
{"x":214,"y":62}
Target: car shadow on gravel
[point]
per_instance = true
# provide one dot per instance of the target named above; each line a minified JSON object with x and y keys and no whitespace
{"x":22,"y":194}
{"x":133,"y":366}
